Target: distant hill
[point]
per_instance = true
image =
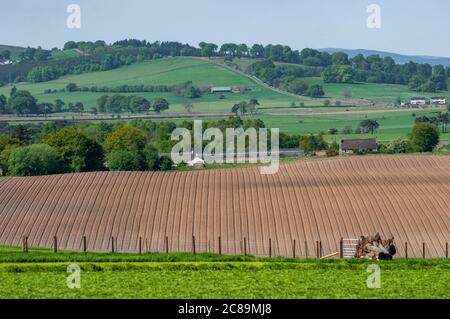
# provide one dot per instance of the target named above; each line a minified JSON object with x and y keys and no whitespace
{"x":14,"y":50}
{"x":398,"y":58}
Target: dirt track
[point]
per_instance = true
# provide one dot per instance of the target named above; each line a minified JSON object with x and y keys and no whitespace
{"x":318,"y":200}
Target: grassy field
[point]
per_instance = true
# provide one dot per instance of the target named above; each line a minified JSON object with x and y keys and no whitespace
{"x":42,"y":274}
{"x":392,"y":124}
{"x":166,"y":71}
{"x":56,"y":55}
{"x":371,"y":91}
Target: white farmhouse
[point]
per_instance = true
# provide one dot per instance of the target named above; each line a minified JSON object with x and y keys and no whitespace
{"x":418,"y":101}
{"x":440,"y":100}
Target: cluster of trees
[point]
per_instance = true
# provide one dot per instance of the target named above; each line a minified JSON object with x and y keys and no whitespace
{"x":245,"y":107}
{"x":88,"y":47}
{"x":34,"y":54}
{"x":5,"y":55}
{"x":423,"y":138}
{"x":63,"y":148}
{"x":374,"y":69}
{"x":21,"y":102}
{"x":132,"y":103}
{"x":287,"y":78}
{"x":441,"y":120}
{"x":186,"y":89}
{"x":364,"y":127}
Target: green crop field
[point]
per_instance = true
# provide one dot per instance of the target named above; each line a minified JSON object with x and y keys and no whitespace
{"x":43,"y":274}
{"x":387,"y":93}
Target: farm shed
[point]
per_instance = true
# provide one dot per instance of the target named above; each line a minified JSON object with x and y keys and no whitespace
{"x":221,"y":89}
{"x":418,"y":101}
{"x":440,"y":100}
{"x":359,"y":145}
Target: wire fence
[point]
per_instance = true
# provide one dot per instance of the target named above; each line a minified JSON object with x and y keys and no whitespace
{"x":342,"y":248}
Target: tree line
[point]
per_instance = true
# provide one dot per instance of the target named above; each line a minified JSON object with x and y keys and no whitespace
{"x":22,"y":102}
{"x":35,"y":65}
{"x":287,"y":78}
{"x":186,"y":89}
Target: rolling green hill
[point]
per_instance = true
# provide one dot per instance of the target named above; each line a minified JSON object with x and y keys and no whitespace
{"x":166,"y":71}
{"x":14,"y":50}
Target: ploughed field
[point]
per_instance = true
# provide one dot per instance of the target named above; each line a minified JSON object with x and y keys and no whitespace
{"x":307,"y":201}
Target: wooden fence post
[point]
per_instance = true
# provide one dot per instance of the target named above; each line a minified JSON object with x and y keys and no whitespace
{"x":55,"y":244}
{"x":140,"y":245}
{"x":167,"y":244}
{"x":270,"y":247}
{"x":112,"y":244}
{"x":84,"y":244}
{"x":446,"y":250}
{"x":293,"y":250}
{"x":341,"y":248}
{"x":406,"y":250}
{"x":317,"y":248}
{"x":320,"y":249}
{"x":245,"y":246}
{"x":25,"y":244}
{"x":423,"y":250}
{"x":306,"y":248}
{"x":220,"y":245}
{"x":193,"y":244}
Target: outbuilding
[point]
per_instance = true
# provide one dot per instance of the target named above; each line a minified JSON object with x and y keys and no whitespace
{"x":197,"y":162}
{"x":358,"y":146}
{"x":440,"y":100}
{"x":221,"y":89}
{"x":418,"y":101}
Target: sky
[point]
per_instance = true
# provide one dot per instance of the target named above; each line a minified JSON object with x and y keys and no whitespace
{"x":412,"y":27}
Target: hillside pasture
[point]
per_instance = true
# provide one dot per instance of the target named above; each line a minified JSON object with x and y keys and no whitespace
{"x":167,"y":71}
{"x":386,"y":93}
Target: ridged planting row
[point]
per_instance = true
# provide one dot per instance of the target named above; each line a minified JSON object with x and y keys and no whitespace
{"x":307,"y":201}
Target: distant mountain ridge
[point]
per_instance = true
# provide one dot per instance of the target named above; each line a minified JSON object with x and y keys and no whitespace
{"x":398,"y":58}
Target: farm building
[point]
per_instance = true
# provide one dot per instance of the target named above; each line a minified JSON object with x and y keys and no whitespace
{"x":197,"y":162}
{"x":221,"y":89}
{"x":418,"y":101}
{"x":359,"y":145}
{"x":440,"y":100}
{"x":314,"y":202}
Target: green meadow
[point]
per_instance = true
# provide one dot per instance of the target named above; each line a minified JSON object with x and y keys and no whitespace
{"x":387,"y":93}
{"x":167,"y":71}
{"x":43,"y":274}
{"x":392,"y":124}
